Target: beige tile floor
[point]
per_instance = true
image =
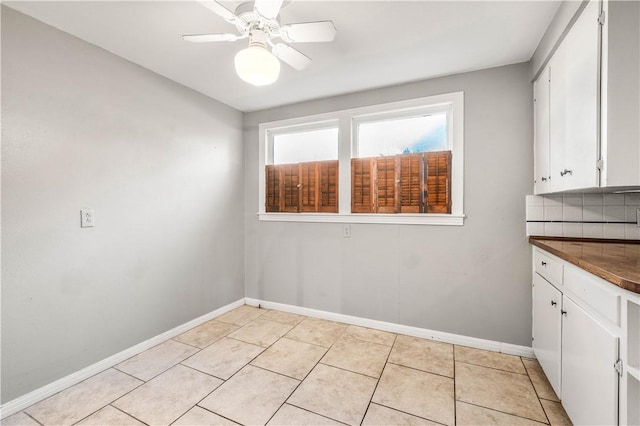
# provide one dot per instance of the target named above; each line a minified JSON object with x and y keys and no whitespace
{"x":254,"y":366}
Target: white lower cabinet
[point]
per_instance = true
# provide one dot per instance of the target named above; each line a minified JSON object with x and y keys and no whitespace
{"x":589,"y":378}
{"x":586,"y":336}
{"x":547,"y":327}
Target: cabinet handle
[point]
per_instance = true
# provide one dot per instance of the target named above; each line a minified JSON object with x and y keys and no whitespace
{"x":544,"y":179}
{"x":543,"y":263}
{"x":563,"y":312}
{"x":566,"y":172}
{"x":554,"y":303}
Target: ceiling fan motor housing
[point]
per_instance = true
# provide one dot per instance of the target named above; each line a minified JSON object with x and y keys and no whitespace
{"x":252,"y":22}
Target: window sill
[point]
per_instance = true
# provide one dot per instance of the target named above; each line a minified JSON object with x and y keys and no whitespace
{"x":399,"y":219}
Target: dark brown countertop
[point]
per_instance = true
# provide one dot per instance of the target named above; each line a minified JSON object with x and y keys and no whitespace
{"x":617,"y":261}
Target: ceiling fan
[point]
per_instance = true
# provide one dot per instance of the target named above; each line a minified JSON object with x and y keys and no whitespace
{"x":259,"y":22}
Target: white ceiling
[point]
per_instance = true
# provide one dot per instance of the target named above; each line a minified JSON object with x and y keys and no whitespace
{"x":379,"y":43}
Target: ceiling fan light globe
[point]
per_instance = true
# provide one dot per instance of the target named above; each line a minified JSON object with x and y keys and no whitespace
{"x":257,"y":66}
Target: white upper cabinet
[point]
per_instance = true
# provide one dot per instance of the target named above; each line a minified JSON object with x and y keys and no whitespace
{"x":541,"y":135}
{"x":573,"y":105}
{"x":587,"y":103}
{"x":621,"y":94}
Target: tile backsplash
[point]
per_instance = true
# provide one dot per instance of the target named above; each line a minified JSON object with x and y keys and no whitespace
{"x":584,"y":215}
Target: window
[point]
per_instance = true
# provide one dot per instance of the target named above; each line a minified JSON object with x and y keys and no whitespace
{"x":310,"y":145}
{"x":402,"y":135}
{"x":303,"y":176}
{"x":393,"y":163}
{"x":403,"y":163}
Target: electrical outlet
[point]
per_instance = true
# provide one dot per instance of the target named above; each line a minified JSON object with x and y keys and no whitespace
{"x":87,"y":219}
{"x":346,"y":231}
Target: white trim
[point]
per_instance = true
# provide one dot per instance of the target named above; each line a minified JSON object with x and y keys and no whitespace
{"x":440,"y":336}
{"x":345,"y":119}
{"x":445,"y":108}
{"x":400,"y":219}
{"x":46,"y":391}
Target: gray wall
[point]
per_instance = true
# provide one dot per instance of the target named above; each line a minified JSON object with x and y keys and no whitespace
{"x":163,"y":168}
{"x":564,"y":18}
{"x":474,"y":280}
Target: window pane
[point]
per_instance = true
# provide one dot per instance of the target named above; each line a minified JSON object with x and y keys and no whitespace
{"x":314,"y":145}
{"x":403,"y":136}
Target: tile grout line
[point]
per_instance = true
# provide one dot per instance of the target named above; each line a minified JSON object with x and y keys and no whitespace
{"x":307,"y":375}
{"x":536,"y":392}
{"x":409,"y":414}
{"x":512,"y":414}
{"x":255,"y":366}
{"x":423,"y":371}
{"x":502,"y":412}
{"x":206,"y":409}
{"x":31,"y":417}
{"x":312,"y":412}
{"x":305,"y":409}
{"x":492,"y":368}
{"x":137,"y":378}
{"x":186,"y":366}
{"x":350,"y":371}
{"x":455,"y":400}
{"x":234,"y":374}
{"x":340,"y":335}
{"x":395,"y":338}
{"x":24,"y":410}
{"x":108,"y":403}
{"x":132,"y":416}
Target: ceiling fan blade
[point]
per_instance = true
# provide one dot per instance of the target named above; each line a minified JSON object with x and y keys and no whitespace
{"x":268,"y":8}
{"x":308,"y":32}
{"x":204,"y":38}
{"x":220,"y":10}
{"x":291,"y":56}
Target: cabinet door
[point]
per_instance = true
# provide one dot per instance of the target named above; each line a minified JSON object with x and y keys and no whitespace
{"x":574,"y":106}
{"x":547,"y":320}
{"x":541,"y":132}
{"x":589,"y":379}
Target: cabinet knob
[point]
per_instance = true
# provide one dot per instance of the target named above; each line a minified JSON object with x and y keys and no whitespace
{"x":544,"y":179}
{"x":543,"y":263}
{"x":566,"y":172}
{"x":554,"y":303}
{"x":563,"y":312}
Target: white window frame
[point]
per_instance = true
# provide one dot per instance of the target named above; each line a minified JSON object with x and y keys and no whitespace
{"x":347,"y":120}
{"x":318,"y":125}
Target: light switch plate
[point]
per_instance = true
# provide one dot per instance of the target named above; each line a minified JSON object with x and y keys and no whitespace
{"x":87,"y":218}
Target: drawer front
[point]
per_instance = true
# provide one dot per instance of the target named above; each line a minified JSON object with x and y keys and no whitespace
{"x":594,"y":292}
{"x":548,"y":267}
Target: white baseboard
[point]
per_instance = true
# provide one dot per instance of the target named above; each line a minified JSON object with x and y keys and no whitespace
{"x":46,"y":391}
{"x":424,"y":333}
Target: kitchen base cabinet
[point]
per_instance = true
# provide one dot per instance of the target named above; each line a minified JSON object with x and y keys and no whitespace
{"x":547,"y":327}
{"x":631,"y":405}
{"x":586,"y":336}
{"x":589,"y":379}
